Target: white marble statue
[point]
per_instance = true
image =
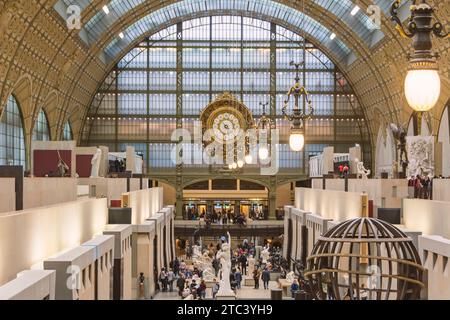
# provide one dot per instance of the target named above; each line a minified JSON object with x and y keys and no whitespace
{"x":421,"y":155}
{"x":196,"y":252}
{"x":265,"y":254}
{"x":290,"y":277}
{"x":251,"y":266}
{"x":95,"y":162}
{"x":362,"y":172}
{"x":224,"y":256}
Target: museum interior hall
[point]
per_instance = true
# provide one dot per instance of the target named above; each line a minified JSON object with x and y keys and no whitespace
{"x":224,"y":150}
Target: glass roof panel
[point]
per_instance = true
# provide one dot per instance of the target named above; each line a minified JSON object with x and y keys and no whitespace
{"x":274,"y":10}
{"x":360,"y":23}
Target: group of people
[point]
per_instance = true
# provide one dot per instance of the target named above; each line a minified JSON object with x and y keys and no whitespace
{"x":423,"y":186}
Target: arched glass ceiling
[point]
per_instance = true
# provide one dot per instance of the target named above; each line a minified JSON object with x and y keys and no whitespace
{"x":269,"y":9}
{"x":361,"y":24}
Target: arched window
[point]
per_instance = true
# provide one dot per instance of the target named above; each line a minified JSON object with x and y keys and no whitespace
{"x":140,"y":103}
{"x":41,"y":130}
{"x":67,"y":133}
{"x":12,"y":142}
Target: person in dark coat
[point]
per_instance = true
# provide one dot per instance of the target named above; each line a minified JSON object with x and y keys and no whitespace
{"x":256,"y":277}
{"x":243,"y":261}
{"x":238,"y":278}
{"x":176,"y":266}
{"x":265,"y":276}
{"x":180,"y":284}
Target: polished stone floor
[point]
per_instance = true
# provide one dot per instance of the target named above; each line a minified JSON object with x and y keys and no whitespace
{"x":244,"y":293}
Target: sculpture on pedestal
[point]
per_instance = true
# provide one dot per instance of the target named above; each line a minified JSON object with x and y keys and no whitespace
{"x":95,"y":162}
{"x":265,"y":254}
{"x":224,"y":256}
{"x":399,"y":132}
{"x":251,"y":265}
{"x":362,"y":172}
{"x":203,"y":263}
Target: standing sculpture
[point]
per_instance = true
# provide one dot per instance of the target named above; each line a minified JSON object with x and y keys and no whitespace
{"x":399,"y":132}
{"x":265,"y":254}
{"x":95,"y":162}
{"x":224,"y":256}
{"x":63,"y":168}
{"x":362,"y":172}
{"x":251,"y":265}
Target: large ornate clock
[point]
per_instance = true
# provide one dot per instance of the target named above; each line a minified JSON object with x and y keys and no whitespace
{"x":225,"y":121}
{"x":226,"y":118}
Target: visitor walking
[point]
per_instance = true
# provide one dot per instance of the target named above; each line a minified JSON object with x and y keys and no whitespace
{"x":180,"y":284}
{"x":265,"y":278}
{"x":256,"y":276}
{"x":238,"y":278}
{"x":243,"y":261}
{"x":176,"y":266}
{"x":201,"y":290}
{"x":163,"y":279}
{"x":170,"y":279}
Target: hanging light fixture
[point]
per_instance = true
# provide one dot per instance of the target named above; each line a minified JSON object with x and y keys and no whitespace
{"x":422,"y":82}
{"x":264,"y":125}
{"x":298,"y":116}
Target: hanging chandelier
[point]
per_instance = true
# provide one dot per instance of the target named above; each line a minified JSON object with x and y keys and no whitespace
{"x":264,"y":126}
{"x":422,"y":82}
{"x":298,"y":116}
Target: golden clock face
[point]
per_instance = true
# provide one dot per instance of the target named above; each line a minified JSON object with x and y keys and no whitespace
{"x":226,"y":127}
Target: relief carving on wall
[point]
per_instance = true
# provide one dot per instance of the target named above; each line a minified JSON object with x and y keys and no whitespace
{"x":421,"y":155}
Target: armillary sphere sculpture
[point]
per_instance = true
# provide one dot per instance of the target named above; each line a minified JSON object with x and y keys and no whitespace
{"x":364,"y":259}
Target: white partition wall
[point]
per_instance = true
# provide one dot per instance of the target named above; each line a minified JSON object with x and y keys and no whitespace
{"x":287,"y":216}
{"x":28,"y":237}
{"x":7,"y":194}
{"x":39,"y":192}
{"x":385,"y":193}
{"x":334,"y":205}
{"x":122,"y":259}
{"x":30,"y":285}
{"x":172,"y":231}
{"x":104,"y":255}
{"x":435,"y":253}
{"x":143,"y":259}
{"x":75,"y":274}
{"x":316,"y":225}
{"x":441,"y":189}
{"x":301,"y":243}
{"x":159,"y":220}
{"x":429,"y":217}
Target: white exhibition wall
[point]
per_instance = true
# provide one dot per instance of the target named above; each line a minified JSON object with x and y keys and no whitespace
{"x":39,"y":192}
{"x":330,"y":204}
{"x":441,"y":189}
{"x":7,"y":194}
{"x":144,"y":203}
{"x":385,"y":193}
{"x":27,"y":237}
{"x":435,"y":254}
{"x":429,"y":217}
{"x":444,"y":138}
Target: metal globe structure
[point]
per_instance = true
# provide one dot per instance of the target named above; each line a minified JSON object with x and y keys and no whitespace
{"x":364,"y":259}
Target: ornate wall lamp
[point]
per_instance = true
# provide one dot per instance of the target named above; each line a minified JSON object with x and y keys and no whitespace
{"x":422,"y":82}
{"x":298,"y":116}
